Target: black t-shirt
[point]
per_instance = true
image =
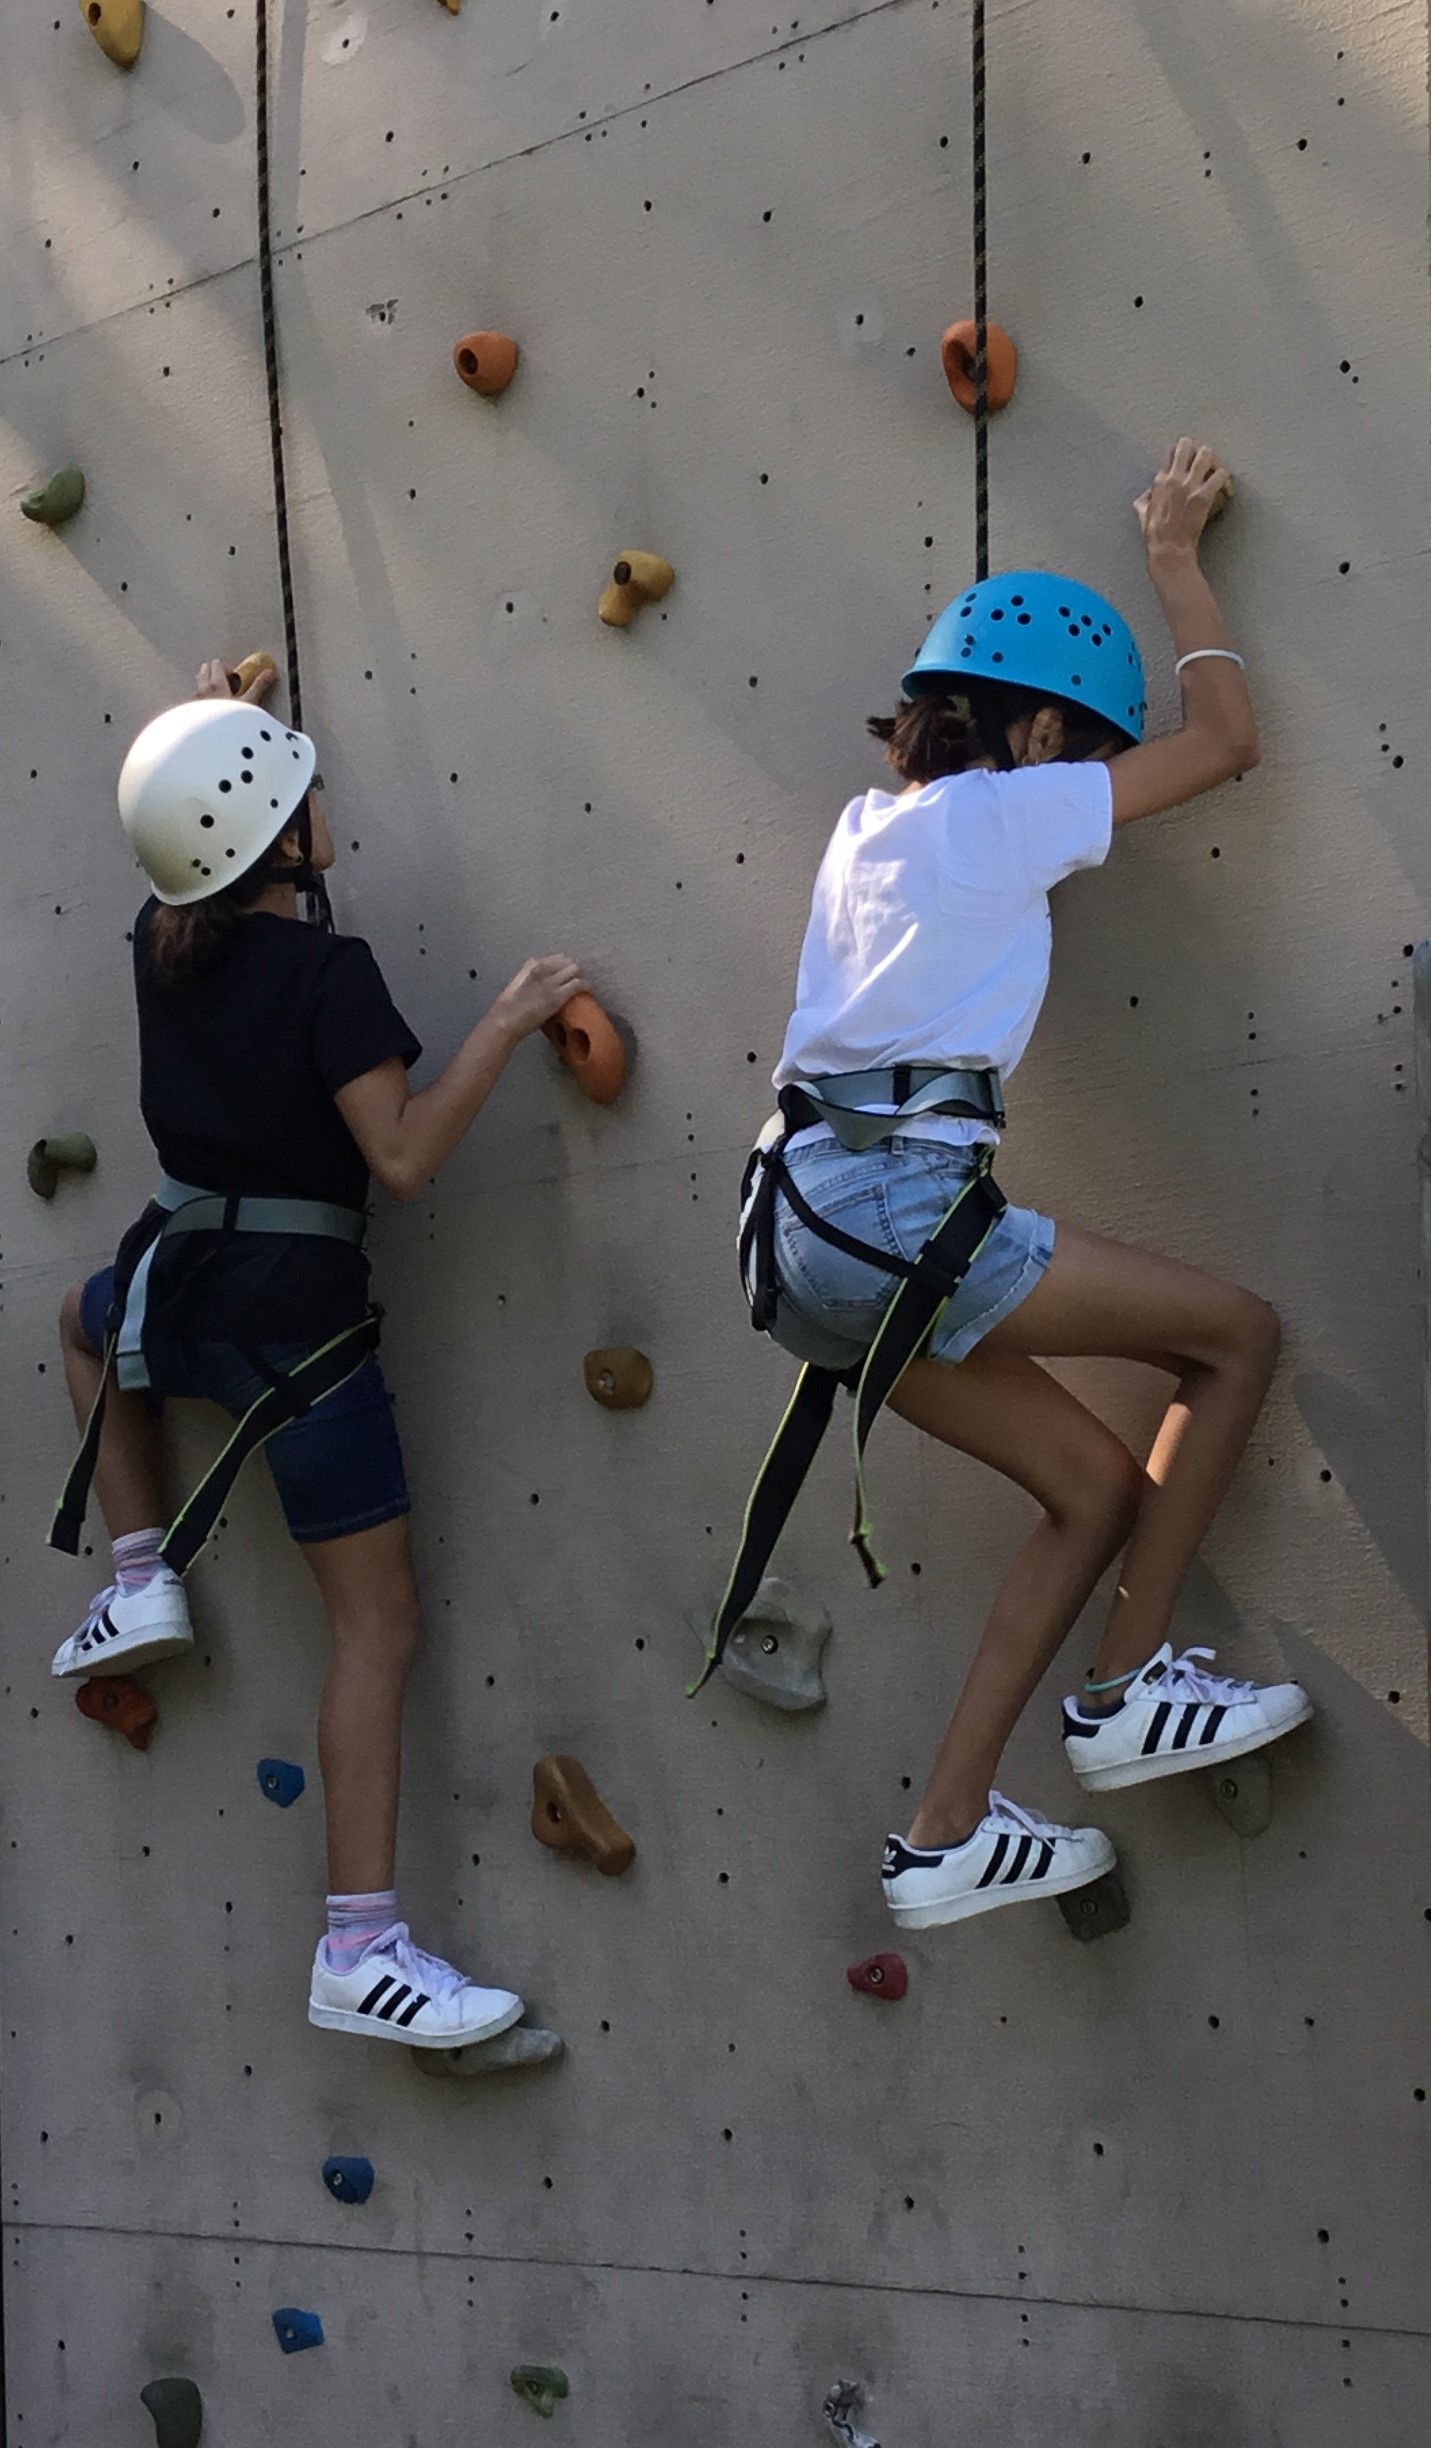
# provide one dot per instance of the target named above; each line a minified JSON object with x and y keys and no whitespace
{"x":239,"y":1068}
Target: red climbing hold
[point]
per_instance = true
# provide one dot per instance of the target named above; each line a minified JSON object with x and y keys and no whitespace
{"x":590,"y":1047}
{"x":881,"y":1976}
{"x":957,"y":349}
{"x":110,"y":1701}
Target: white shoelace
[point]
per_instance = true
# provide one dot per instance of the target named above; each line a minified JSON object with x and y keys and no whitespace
{"x":1020,"y":1822}
{"x":440,"y":1980}
{"x":1186,"y":1681}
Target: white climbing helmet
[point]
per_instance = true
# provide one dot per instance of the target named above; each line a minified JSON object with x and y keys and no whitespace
{"x":205,"y":790}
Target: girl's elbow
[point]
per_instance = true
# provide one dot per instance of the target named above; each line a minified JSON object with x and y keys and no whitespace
{"x":399,"y":1177}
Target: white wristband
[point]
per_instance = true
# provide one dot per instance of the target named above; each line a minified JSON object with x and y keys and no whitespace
{"x":1209,"y":654}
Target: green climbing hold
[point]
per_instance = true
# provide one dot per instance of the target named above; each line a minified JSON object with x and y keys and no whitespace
{"x":51,"y":504}
{"x":178,"y":2412}
{"x":66,"y":1152}
{"x":541,"y":2386}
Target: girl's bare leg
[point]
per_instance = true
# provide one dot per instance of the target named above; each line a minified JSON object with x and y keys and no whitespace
{"x":126,"y":1478}
{"x":1101,"y":1298}
{"x":1007,"y":1412}
{"x":370,"y":1594}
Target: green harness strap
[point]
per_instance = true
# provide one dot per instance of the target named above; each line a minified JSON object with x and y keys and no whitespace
{"x":930,"y":1282}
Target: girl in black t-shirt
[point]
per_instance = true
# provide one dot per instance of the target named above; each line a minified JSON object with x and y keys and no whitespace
{"x":274,"y":1080}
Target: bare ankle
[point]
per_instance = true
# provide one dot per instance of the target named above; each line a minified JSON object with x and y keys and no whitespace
{"x":933,"y":1830}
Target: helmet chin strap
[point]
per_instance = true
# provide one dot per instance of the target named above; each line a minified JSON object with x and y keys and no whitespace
{"x":303,"y":875}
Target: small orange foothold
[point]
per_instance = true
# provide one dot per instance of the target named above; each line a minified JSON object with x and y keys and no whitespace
{"x":486,"y":360}
{"x":590,"y":1047}
{"x":110,"y":1701}
{"x":638,"y":578}
{"x":569,"y":1815}
{"x":622,"y":1379}
{"x":957,"y":349}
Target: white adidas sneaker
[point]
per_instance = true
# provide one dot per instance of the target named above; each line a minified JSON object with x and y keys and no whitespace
{"x":1013,"y":1857}
{"x":121,"y":1632}
{"x":396,"y":1992}
{"x":1175,"y":1716}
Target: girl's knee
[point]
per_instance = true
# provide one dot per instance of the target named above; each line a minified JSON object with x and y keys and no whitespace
{"x":1103,"y":1494}
{"x":1255,"y":1331}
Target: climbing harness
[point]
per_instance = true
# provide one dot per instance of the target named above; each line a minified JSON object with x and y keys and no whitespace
{"x":929,"y":1282}
{"x":309,"y":882}
{"x":288,"y":1393}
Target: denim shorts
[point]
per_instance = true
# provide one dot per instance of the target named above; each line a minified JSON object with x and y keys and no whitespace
{"x":894,"y":1196}
{"x":337,"y":1470}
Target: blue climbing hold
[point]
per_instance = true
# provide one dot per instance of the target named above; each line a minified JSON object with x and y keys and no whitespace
{"x":281,"y":1780}
{"x":348,"y":2180}
{"x":294,"y":2330}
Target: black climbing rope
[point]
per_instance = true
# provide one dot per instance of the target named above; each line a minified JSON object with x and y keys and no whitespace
{"x":270,"y":360}
{"x":979,"y":90}
{"x":319,"y":906}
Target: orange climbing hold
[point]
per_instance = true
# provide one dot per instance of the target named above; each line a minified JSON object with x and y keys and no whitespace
{"x":569,"y":1815}
{"x":110,"y":1701}
{"x":621,"y":1379}
{"x":638,"y":578}
{"x":957,"y":349}
{"x":590,"y":1047}
{"x":117,"y":27}
{"x":486,"y":360}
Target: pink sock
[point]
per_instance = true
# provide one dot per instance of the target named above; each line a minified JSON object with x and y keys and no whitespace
{"x":354,"y":1921}
{"x":136,"y":1560}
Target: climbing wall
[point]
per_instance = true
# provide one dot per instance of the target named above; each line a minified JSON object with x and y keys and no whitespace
{"x":1164,"y":2190}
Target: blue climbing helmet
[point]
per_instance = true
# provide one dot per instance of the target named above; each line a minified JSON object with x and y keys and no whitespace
{"x":1037,"y":631}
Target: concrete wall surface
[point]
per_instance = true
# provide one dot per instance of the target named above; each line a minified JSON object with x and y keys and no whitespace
{"x":1164,"y":2191}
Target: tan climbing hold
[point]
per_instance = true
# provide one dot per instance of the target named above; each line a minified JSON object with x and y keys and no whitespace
{"x":252,"y":668}
{"x":958,"y":350}
{"x":117,"y":27}
{"x":453,"y":7}
{"x":620,"y":1378}
{"x":569,"y":1815}
{"x":638,"y":578}
{"x":486,"y":361}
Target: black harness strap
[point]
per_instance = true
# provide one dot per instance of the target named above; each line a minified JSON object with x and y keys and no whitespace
{"x":67,"y":1527}
{"x":929,"y":1282}
{"x":287,"y":1397}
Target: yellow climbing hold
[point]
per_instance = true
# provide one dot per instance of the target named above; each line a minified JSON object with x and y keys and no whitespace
{"x":638,"y":578}
{"x":244,"y":674}
{"x":117,"y":27}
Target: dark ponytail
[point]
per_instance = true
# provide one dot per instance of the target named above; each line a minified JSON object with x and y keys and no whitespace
{"x":934,"y":735}
{"x":183,"y":943}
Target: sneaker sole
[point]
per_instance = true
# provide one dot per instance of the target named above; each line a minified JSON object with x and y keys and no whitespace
{"x":1181,"y":1763}
{"x":367,"y":2027}
{"x":989,"y":1899}
{"x":113,"y":1660}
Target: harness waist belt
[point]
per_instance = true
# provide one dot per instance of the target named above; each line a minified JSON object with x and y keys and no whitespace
{"x":191,"y":1210}
{"x":907,"y":1091}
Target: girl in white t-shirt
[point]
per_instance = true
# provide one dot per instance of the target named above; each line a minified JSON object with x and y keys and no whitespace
{"x":1019,"y":751}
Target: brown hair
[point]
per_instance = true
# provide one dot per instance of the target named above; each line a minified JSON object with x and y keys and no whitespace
{"x":930,"y":736}
{"x":183,"y":943}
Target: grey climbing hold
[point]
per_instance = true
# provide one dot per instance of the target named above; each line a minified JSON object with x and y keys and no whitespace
{"x":51,"y":504}
{"x":775,"y":1650}
{"x":64,"y":1152}
{"x":541,"y":2386}
{"x":845,"y":2400}
{"x":280,"y":1780}
{"x":296,"y":2330}
{"x":178,"y":2412}
{"x":1242,"y":1792}
{"x":1100,"y":1907}
{"x":523,"y":2045}
{"x":348,"y":2180}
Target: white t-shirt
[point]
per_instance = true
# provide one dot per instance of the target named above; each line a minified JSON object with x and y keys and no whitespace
{"x":929,"y":937}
